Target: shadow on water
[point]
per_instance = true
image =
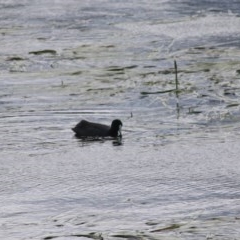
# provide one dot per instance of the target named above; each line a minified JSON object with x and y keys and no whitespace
{"x":86,"y":141}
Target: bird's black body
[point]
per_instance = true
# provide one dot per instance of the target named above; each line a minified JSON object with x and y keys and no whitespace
{"x":89,"y":129}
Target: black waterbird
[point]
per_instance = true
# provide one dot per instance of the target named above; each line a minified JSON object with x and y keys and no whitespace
{"x":86,"y":129}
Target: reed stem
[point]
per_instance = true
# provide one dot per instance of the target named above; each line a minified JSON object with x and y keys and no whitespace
{"x":176,"y":75}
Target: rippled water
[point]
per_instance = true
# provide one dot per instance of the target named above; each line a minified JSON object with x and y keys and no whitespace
{"x":176,"y":173}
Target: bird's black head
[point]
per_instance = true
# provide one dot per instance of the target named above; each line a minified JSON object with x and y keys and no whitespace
{"x":115,"y":130}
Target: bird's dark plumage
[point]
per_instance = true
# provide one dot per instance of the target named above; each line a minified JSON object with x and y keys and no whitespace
{"x":89,"y":129}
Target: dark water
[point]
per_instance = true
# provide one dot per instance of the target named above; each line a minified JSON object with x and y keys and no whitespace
{"x":176,"y":173}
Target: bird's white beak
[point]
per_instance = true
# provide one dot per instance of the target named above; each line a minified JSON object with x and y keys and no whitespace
{"x":120,"y":131}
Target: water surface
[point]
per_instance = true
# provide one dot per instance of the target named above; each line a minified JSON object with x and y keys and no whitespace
{"x":176,"y":173}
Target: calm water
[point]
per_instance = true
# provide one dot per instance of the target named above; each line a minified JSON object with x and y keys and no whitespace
{"x":176,"y":173}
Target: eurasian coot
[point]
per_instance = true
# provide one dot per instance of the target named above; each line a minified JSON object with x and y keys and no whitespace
{"x":89,"y":129}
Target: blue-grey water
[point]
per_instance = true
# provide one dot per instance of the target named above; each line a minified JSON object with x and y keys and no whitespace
{"x":175,"y":175}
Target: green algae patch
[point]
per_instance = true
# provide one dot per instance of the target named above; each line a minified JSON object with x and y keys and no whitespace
{"x":171,"y":227}
{"x":16,"y":58}
{"x":46,"y":51}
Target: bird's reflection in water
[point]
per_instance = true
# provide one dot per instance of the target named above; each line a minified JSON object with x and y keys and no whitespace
{"x":88,"y":140}
{"x":117,"y":141}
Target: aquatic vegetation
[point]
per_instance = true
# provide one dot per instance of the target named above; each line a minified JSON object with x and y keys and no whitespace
{"x":46,"y":51}
{"x":168,"y":228}
{"x":16,"y":58}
